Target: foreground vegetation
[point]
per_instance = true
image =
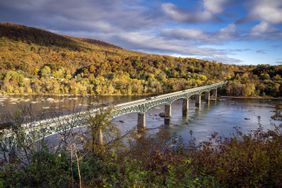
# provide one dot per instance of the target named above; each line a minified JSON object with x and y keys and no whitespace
{"x":81,"y":160}
{"x":35,"y":61}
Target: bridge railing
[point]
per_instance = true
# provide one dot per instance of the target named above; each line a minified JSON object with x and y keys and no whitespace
{"x":170,"y":94}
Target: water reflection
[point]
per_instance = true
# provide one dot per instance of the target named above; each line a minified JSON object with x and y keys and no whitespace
{"x":220,"y":116}
{"x":277,"y":112}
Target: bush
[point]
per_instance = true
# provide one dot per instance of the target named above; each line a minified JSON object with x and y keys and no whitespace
{"x":245,"y":160}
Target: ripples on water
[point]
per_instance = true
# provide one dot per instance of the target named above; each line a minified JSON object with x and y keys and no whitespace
{"x":221,"y":116}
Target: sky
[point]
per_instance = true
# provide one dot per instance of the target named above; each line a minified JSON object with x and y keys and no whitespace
{"x":227,"y":31}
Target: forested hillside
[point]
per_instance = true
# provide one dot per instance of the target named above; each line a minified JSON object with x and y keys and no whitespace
{"x":35,"y":61}
{"x":263,"y":80}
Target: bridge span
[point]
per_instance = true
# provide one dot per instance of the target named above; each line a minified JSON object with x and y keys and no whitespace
{"x":55,"y":125}
{"x":143,"y":105}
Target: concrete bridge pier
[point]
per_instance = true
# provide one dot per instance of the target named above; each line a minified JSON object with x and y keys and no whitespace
{"x":141,"y":122}
{"x":215,"y":94}
{"x":167,"y":114}
{"x":185,"y":108}
{"x":207,"y":97}
{"x":198,"y":100}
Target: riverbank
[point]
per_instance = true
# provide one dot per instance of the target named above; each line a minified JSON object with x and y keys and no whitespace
{"x":257,"y":97}
{"x":150,"y":162}
{"x":120,"y":95}
{"x":69,"y":95}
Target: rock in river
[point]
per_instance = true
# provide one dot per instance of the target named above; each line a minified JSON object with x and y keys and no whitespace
{"x":162,"y":114}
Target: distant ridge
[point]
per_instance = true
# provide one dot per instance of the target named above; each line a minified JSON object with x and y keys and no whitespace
{"x":101,"y":43}
{"x":46,"y":38}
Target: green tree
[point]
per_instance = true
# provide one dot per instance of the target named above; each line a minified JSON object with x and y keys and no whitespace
{"x":45,"y":72}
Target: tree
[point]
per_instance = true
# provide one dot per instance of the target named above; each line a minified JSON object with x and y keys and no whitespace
{"x":45,"y":72}
{"x":248,"y":89}
{"x":59,"y":74}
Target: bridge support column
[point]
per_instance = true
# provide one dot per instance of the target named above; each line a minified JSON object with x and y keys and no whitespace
{"x":185,"y":107}
{"x":167,"y":114}
{"x":167,"y":110}
{"x":215,"y":94}
{"x":207,"y":96}
{"x":198,"y":100}
{"x":141,"y":122}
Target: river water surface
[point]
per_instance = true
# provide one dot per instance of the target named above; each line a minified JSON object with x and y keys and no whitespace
{"x":220,"y":116}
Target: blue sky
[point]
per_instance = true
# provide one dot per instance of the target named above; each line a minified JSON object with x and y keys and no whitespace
{"x":228,"y":31}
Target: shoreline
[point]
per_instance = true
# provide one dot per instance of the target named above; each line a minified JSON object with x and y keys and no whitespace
{"x":117,"y":95}
{"x":70,"y":95}
{"x":257,"y":98}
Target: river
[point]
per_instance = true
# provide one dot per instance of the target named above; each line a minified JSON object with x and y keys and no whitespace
{"x":220,"y":116}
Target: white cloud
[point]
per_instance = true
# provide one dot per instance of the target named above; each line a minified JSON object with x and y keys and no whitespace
{"x":214,"y":6}
{"x":185,"y":33}
{"x":184,"y":15}
{"x":208,"y":12}
{"x":176,"y":14}
{"x":199,"y":36}
{"x":142,"y":25}
{"x":260,"y":28}
{"x":227,"y":32}
{"x":264,"y":30}
{"x":267,"y":10}
{"x":123,"y":14}
{"x":150,"y":41}
{"x":269,"y":13}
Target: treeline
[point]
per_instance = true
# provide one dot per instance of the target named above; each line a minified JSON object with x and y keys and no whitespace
{"x":132,"y":76}
{"x":34,"y":61}
{"x":264,"y":80}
